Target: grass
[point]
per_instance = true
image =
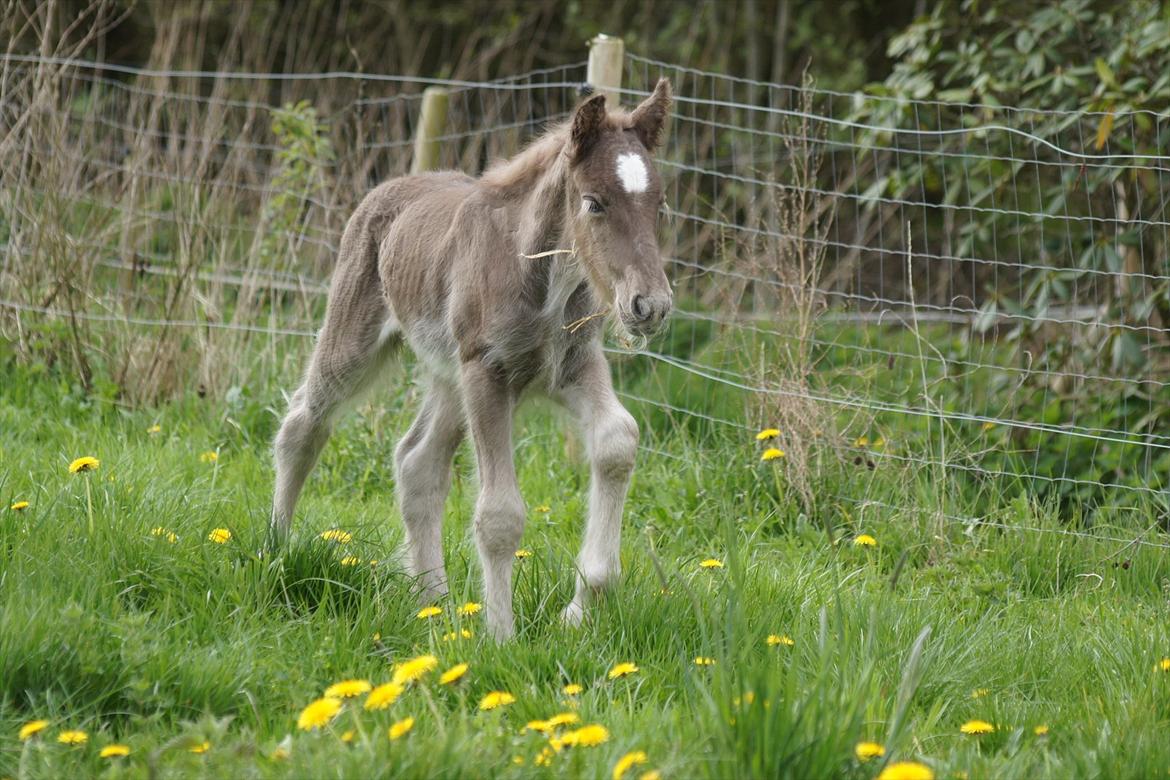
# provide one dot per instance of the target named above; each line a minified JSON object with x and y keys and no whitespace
{"x":163,"y":646}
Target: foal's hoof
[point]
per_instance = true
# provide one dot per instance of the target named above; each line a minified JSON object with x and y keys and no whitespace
{"x":500,"y":632}
{"x":573,"y":614}
{"x":429,"y":596}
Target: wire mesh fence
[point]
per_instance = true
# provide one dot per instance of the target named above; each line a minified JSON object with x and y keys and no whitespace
{"x":974,"y":292}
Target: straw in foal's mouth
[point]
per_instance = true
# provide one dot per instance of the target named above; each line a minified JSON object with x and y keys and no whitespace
{"x":549,"y":253}
{"x":576,"y":325}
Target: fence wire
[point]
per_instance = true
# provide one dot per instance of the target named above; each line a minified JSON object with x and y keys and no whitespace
{"x":974,"y":291}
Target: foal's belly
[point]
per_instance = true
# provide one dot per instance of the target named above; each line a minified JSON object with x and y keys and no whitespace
{"x":433,"y":345}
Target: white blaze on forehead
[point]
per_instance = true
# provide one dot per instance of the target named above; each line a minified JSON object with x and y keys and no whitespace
{"x":631,"y":169}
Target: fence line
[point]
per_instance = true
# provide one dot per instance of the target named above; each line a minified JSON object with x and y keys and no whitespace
{"x":1025,"y":297}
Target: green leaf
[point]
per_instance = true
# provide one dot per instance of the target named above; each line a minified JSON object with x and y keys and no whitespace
{"x":1105,"y":73}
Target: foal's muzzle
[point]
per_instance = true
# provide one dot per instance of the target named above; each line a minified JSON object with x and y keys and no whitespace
{"x":644,"y":315}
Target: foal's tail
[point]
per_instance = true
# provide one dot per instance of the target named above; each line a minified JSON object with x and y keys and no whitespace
{"x":357,"y":341}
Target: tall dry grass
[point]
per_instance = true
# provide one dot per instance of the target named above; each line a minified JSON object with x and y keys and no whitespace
{"x":166,"y":232}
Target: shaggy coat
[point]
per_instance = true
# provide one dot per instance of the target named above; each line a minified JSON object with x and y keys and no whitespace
{"x":498,"y":284}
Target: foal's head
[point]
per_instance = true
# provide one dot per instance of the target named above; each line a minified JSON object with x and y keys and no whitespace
{"x":615,"y":199}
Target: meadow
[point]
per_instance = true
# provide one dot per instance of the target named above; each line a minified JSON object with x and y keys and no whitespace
{"x":771,"y":636}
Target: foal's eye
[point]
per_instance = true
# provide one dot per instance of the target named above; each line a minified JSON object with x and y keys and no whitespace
{"x":592,"y":205}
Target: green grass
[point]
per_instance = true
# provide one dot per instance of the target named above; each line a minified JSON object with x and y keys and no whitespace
{"x":162,"y":646}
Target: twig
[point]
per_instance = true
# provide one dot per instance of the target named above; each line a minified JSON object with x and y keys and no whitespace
{"x":576,"y":325}
{"x":549,"y":253}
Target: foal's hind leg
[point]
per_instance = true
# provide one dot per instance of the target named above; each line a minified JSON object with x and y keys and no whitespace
{"x":358,"y":336}
{"x":611,"y":439}
{"x":423,"y":461}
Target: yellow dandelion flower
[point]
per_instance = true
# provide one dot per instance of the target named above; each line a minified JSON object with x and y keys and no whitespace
{"x":220,"y":535}
{"x":767,"y":433}
{"x":1164,"y":665}
{"x":337,"y":535}
{"x":347,"y":689}
{"x":522,"y":554}
{"x":454,"y":674}
{"x":87,"y":463}
{"x":867,"y":750}
{"x":906,"y":770}
{"x":774,"y":640}
{"x":626,"y":762}
{"x":429,"y":612}
{"x":772,"y":453}
{"x":414,"y":669}
{"x":114,"y":751}
{"x":987,"y":426}
{"x":31,"y":728}
{"x":400,"y":728}
{"x":202,"y":747}
{"x":19,"y":506}
{"x":572,"y":689}
{"x":319,"y":713}
{"x":878,"y":443}
{"x":861,"y":441}
{"x":163,"y":533}
{"x":518,"y":760}
{"x":462,"y":633}
{"x":586,"y":736}
{"x":653,"y":774}
{"x":979,"y":693}
{"x":747,"y":698}
{"x":470,"y":608}
{"x":864,"y":540}
{"x":383,"y":696}
{"x":496,"y":699}
{"x":711,"y":563}
{"x":156,"y":428}
{"x":622,"y":670}
{"x":350,"y":560}
{"x":701,"y":660}
{"x":374,"y":563}
{"x":208,"y":457}
{"x":564,"y":719}
{"x":541,"y":726}
{"x":544,"y":509}
{"x":977,"y":727}
{"x":73,"y":737}
{"x":544,"y":758}
{"x":1041,"y":730}
{"x":347,"y":736}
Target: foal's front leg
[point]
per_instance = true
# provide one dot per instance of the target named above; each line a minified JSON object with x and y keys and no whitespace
{"x":611,"y":440}
{"x":499,"y":510}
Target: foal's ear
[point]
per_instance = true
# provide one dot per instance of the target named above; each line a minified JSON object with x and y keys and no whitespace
{"x":588,"y":121}
{"x":649,"y":118}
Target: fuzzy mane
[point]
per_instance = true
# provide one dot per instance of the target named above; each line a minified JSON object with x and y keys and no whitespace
{"x":521,"y":171}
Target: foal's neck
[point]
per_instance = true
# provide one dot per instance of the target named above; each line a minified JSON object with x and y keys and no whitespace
{"x":547,"y":240}
{"x":544,"y":211}
{"x":535,"y":187}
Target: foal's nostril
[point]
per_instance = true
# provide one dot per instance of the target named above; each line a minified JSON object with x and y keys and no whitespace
{"x":640,"y":308}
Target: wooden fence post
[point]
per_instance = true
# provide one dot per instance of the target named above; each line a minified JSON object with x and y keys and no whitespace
{"x":431,"y":122}
{"x":604,"y":73}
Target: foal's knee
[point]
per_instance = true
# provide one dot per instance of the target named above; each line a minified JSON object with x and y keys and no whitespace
{"x":298,"y":431}
{"x":615,"y":446}
{"x":499,"y":524}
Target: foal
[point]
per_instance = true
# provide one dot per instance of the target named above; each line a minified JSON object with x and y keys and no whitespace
{"x":497,"y":284}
